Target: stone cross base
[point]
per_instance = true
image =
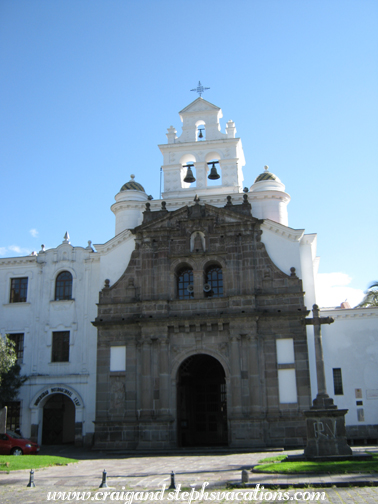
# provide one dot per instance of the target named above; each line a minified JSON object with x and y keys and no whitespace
{"x":326,"y":435}
{"x":323,"y":401}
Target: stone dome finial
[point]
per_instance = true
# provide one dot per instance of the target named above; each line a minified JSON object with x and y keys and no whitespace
{"x":267,"y":175}
{"x":132,"y":185}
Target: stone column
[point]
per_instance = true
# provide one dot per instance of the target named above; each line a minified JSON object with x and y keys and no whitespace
{"x":198,"y":282}
{"x":322,"y":400}
{"x":164,"y":377}
{"x":131,"y":379}
{"x":146,"y":399}
{"x":245,"y":372}
{"x":261,"y":358}
{"x":235,"y":377}
{"x":254,"y":376}
{"x":320,"y":371}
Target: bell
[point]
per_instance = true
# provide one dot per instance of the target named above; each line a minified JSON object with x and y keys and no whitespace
{"x":214,"y":175}
{"x":200,"y":134}
{"x":189,"y":178}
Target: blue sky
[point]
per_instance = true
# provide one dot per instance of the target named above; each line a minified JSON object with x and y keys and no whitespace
{"x":88,"y":88}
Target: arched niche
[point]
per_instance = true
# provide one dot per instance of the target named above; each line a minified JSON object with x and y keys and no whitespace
{"x":197,"y":242}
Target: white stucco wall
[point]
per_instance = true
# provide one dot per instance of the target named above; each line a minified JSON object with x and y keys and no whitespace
{"x":41,"y":315}
{"x":114,"y":257}
{"x":282,"y":244}
{"x":351,"y":343}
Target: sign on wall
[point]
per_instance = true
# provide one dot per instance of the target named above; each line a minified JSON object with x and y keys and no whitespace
{"x":58,"y":390}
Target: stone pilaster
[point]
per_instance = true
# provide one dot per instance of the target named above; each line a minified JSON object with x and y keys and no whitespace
{"x":261,"y":359}
{"x":164,"y":377}
{"x":131,"y":379}
{"x":236,"y":410}
{"x":146,"y":400}
{"x":254,"y":374}
{"x":198,"y":284}
{"x":245,"y":371}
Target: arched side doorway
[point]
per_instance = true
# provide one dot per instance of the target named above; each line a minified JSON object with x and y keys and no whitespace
{"x":58,"y":420}
{"x":52,"y":406}
{"x":201,"y":402}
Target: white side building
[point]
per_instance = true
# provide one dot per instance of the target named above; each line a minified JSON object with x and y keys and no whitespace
{"x":48,"y":300}
{"x":350,"y":347}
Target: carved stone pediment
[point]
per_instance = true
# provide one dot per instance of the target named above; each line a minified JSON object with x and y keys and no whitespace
{"x":230,"y":214}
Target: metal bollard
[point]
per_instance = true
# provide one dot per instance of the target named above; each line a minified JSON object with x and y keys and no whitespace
{"x":31,"y":483}
{"x":103,"y":482}
{"x":173,"y":483}
{"x":244,"y":476}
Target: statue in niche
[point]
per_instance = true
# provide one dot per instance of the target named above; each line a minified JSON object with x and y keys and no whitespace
{"x":197,"y":242}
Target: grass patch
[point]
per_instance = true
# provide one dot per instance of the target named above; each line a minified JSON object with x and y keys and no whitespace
{"x":14,"y":463}
{"x":277,"y":458}
{"x":342,"y":467}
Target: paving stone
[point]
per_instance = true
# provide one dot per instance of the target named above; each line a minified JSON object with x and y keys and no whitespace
{"x":149,"y":473}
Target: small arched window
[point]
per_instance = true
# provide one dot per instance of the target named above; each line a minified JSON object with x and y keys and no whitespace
{"x":185,"y":283}
{"x":213,"y":281}
{"x":63,"y":286}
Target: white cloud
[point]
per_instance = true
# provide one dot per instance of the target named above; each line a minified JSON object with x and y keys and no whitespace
{"x":332,"y":289}
{"x":13,"y":250}
{"x":34,"y":233}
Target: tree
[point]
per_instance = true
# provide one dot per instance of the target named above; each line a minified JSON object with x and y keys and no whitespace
{"x":371,"y":296}
{"x":10,"y":384}
{"x":8,"y":356}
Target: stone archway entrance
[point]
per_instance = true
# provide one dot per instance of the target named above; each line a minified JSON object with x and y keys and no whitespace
{"x":58,"y":420}
{"x":201,"y":402}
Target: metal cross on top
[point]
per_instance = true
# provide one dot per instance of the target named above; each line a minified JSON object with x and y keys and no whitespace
{"x":200,"y":89}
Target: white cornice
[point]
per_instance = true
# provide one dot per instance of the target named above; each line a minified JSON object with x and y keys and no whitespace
{"x":18,"y":260}
{"x":294,"y":235}
{"x":309,"y":239}
{"x":281,"y":195}
{"x":175,"y":201}
{"x":114,"y":242}
{"x":201,"y":145}
{"x":350,"y":312}
{"x":120,"y":205}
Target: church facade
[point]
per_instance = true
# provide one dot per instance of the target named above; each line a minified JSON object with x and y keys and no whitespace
{"x":202,"y":340}
{"x":187,"y":328}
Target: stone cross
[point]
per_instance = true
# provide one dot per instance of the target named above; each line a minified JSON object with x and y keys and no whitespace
{"x":325,"y":423}
{"x":322,"y":399}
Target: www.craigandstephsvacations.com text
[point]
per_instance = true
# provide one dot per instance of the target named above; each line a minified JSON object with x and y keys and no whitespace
{"x":128,"y":497}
